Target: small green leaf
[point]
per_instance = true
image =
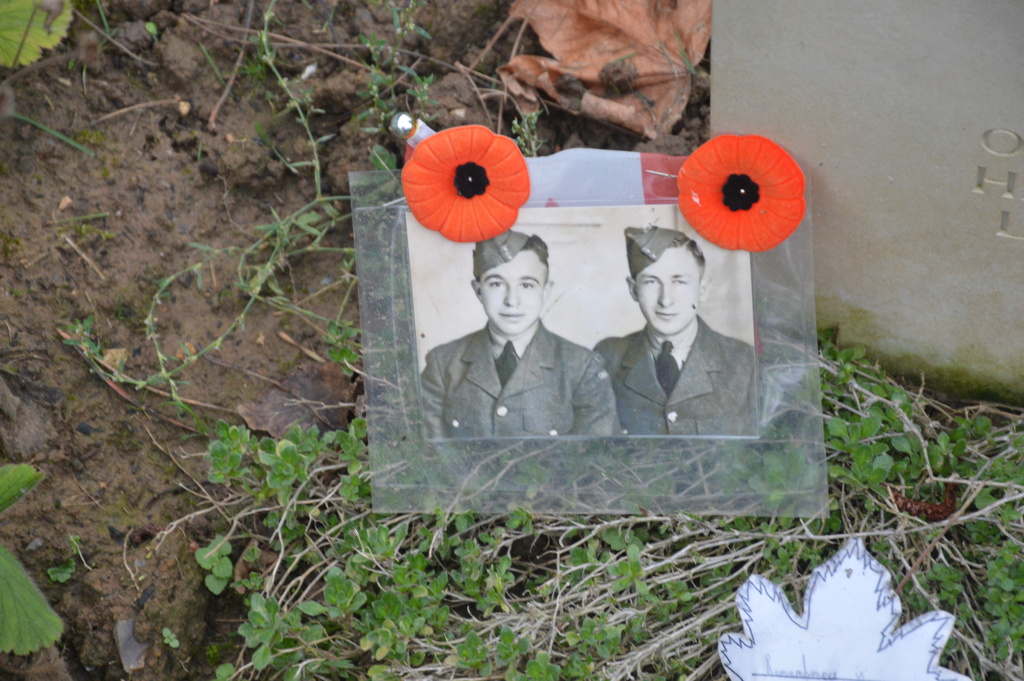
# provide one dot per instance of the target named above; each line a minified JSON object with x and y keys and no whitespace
{"x":169,"y":638}
{"x":883,"y":462}
{"x":223,"y":568}
{"x":870,"y":426}
{"x":312,"y":608}
{"x":616,"y":538}
{"x":902,"y":444}
{"x":261,"y":658}
{"x":63,"y":572}
{"x":209,"y":556}
{"x":382,"y":158}
{"x":837,"y":427}
{"x":215,"y":584}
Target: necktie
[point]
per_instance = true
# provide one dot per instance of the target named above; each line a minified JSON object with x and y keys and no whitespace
{"x":666,"y":368}
{"x":506,"y":363}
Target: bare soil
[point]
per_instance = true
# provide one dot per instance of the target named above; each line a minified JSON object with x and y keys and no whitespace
{"x":161,"y":180}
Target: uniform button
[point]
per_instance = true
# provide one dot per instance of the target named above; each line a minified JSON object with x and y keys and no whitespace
{"x":501,"y":411}
{"x":673,"y":417}
{"x":455,"y":424}
{"x":553,"y":432}
{"x":625,"y":432}
{"x":602,"y":374}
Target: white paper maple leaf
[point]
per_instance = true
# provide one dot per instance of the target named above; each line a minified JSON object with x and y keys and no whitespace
{"x":849,"y":630}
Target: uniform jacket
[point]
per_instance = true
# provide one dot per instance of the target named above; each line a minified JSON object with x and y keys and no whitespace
{"x":558,"y":388}
{"x":715,"y":393}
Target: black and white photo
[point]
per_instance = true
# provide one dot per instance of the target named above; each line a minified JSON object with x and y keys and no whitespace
{"x":513,"y":377}
{"x":676,"y":375}
{"x":592,"y":321}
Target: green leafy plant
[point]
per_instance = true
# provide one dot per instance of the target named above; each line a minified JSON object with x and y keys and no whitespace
{"x":258,"y":265}
{"x":216,"y":558}
{"x":170,"y":639}
{"x":27,"y":27}
{"x":1004,"y":601}
{"x":27,"y":622}
{"x":63,"y":572}
{"x":524,"y":130}
{"x":387,"y":71}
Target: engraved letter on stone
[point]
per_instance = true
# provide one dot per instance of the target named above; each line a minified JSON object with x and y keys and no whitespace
{"x":1008,"y":184}
{"x":1000,"y":142}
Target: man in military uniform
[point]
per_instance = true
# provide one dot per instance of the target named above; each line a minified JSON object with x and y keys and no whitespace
{"x":677,"y":376}
{"x":514,"y":378}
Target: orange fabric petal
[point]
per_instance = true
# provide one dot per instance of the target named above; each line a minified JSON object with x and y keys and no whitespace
{"x":428,"y":193}
{"x":493,"y":213}
{"x":469,"y":219}
{"x":434,"y":213}
{"x":420,"y":184}
{"x":455,"y":226}
{"x":434,"y":158}
{"x":778,"y":211}
{"x":479,"y":143}
{"x":428,"y":181}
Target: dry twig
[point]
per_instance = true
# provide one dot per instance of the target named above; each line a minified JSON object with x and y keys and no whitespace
{"x":211,"y":124}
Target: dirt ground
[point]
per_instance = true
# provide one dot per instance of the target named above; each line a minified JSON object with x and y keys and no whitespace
{"x":161,"y":180}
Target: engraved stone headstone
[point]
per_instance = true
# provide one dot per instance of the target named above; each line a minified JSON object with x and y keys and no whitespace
{"x":909,"y":120}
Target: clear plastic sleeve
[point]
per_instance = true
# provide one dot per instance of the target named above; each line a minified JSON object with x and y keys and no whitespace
{"x":781,"y":471}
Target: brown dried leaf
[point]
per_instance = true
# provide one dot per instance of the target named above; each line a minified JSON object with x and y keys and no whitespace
{"x":525,"y":95}
{"x":314,"y":394}
{"x":628,"y":51}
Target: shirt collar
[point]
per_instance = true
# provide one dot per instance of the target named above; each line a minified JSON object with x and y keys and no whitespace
{"x":520,"y":344}
{"x":682,"y":342}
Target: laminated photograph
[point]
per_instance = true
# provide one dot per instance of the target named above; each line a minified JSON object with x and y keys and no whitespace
{"x":587,"y":322}
{"x":591,"y":331}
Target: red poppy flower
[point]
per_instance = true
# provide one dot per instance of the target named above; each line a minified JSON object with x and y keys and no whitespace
{"x":742,"y":192}
{"x":466,"y":183}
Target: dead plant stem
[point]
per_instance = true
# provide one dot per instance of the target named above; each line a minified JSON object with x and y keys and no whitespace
{"x":134,"y":107}
{"x":490,"y":43}
{"x":211,"y":124}
{"x":205,"y":24}
{"x":111,"y":40}
{"x":89,"y":261}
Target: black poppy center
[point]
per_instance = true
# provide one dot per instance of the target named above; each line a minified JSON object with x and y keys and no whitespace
{"x":740,"y":193}
{"x":470,"y":180}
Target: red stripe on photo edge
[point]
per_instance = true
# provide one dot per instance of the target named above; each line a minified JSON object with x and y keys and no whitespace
{"x":659,"y":189}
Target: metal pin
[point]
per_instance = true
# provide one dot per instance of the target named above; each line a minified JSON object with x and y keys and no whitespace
{"x":402,"y":126}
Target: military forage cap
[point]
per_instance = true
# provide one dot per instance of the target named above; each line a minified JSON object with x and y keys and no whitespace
{"x":503,"y":248}
{"x":644,"y":245}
